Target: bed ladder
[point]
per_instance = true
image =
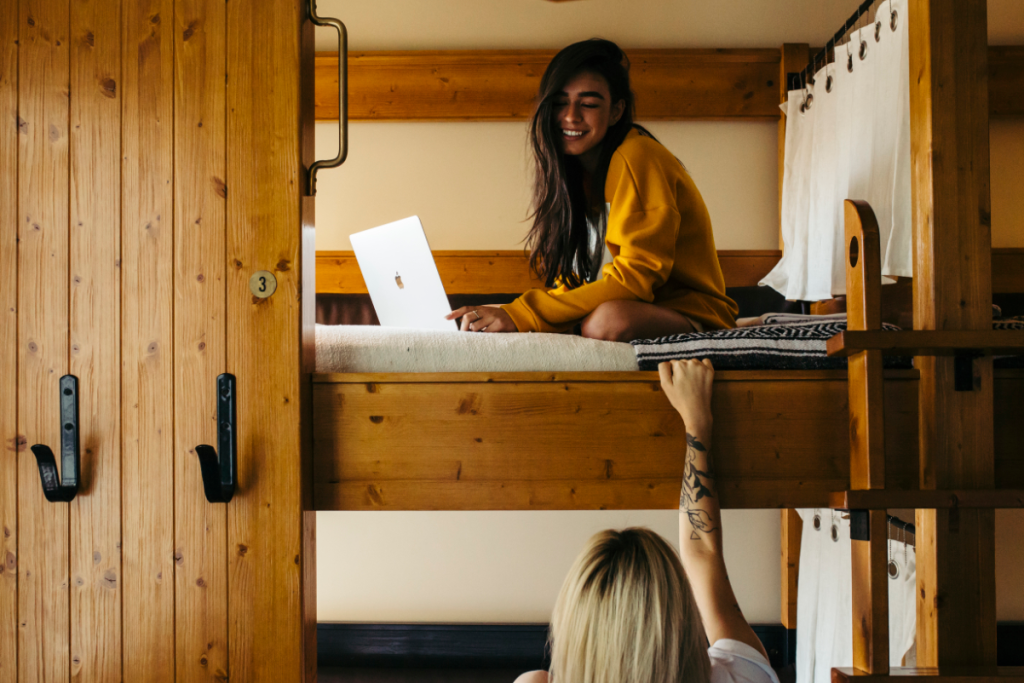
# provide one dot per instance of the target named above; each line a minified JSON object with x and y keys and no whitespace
{"x":953,"y":343}
{"x":947,"y":518}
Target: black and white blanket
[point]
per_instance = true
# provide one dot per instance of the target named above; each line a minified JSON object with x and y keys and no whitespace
{"x":780,"y":342}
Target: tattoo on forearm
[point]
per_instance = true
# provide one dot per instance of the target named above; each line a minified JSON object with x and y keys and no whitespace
{"x":696,"y":485}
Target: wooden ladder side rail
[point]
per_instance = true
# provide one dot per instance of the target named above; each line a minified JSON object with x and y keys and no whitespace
{"x":867,"y":442}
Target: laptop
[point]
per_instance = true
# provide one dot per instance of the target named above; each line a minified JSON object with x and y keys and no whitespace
{"x":401,"y":276}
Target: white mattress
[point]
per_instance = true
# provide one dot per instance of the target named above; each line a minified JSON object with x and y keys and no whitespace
{"x":369,"y":348}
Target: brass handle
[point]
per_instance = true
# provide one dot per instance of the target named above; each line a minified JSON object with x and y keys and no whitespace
{"x":342,"y":97}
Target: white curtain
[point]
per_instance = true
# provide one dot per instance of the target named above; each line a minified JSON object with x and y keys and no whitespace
{"x":824,"y":599}
{"x":848,"y":137}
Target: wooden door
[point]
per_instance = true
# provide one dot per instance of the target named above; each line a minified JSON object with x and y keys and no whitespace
{"x":152,"y":158}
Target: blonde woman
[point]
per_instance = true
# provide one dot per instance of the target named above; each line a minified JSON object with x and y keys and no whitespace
{"x":630,"y":612}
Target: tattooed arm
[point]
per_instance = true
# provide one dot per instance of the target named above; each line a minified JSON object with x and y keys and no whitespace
{"x":688,"y":386}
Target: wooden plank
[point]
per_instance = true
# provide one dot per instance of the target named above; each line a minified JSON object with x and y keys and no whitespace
{"x":9,"y":441}
{"x":200,"y":261}
{"x":953,"y":292}
{"x":869,"y":584}
{"x":1006,"y":80}
{"x":95,"y":332}
{"x":43,"y":111}
{"x":794,"y":58}
{"x":671,"y":84}
{"x":508,"y":272}
{"x":779,"y":443}
{"x":650,"y":378}
{"x":147,"y":340}
{"x":266,"y":146}
{"x":500,"y":85}
{"x":792,"y":527}
{"x":1002,"y":674}
{"x":984,"y":499}
{"x":927,"y":342}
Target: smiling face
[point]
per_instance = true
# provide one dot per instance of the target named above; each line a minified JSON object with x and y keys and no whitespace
{"x":583,"y":112}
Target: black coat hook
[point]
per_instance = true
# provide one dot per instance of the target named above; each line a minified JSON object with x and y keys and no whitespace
{"x":62,"y":489}
{"x":219,"y":477}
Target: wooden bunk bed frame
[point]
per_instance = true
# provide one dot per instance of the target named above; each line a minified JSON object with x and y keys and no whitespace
{"x":484,"y":441}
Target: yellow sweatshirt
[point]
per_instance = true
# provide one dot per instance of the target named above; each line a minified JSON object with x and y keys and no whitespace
{"x":659,"y":235}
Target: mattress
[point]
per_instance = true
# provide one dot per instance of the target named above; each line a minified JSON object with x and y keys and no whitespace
{"x":370,"y":348}
{"x":774,"y":342}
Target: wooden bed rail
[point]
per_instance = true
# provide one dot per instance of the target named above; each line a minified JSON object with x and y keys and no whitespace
{"x":508,"y":272}
{"x":670,"y":84}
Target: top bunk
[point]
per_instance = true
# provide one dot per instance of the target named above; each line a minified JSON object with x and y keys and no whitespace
{"x":603,"y":440}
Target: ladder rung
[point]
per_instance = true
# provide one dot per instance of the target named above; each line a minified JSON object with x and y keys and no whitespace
{"x":926,"y":342}
{"x":981,"y":674}
{"x":885,"y":499}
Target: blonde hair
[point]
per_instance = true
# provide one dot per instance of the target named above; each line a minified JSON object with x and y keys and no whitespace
{"x":626,"y":614}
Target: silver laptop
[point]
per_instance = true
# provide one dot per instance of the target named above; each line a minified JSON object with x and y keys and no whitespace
{"x":401,"y":276}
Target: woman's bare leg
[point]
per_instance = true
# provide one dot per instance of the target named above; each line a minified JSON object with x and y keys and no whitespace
{"x":625,"y":321}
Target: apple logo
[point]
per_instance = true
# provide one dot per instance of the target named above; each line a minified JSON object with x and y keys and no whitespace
{"x":398,"y":281}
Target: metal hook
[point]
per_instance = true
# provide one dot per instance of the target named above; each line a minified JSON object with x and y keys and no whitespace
{"x":219,"y":477}
{"x":70,"y":460}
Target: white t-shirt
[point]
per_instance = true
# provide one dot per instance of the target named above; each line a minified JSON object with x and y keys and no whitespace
{"x":736,"y":662}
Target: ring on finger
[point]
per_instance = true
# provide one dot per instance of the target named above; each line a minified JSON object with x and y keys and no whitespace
{"x":476,"y":313}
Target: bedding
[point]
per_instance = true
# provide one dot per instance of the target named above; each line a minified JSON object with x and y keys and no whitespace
{"x":776,"y":341}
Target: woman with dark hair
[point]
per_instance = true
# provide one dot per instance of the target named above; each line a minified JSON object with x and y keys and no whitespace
{"x":620,"y":231}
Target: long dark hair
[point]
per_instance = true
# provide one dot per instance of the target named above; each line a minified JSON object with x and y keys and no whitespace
{"x":559,"y":239}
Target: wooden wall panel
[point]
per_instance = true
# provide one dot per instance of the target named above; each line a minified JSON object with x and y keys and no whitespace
{"x":499,"y":85}
{"x":9,"y":443}
{"x":508,"y":272}
{"x":265,"y":185}
{"x":670,"y":84}
{"x":199,"y":326}
{"x":43,"y":590}
{"x":95,"y":334}
{"x":147,"y":379}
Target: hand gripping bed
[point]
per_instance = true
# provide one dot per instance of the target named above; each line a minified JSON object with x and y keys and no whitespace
{"x":530,"y":422}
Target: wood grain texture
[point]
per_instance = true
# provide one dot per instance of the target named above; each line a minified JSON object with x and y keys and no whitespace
{"x":500,"y":85}
{"x":866,"y":382}
{"x":9,"y":442}
{"x":672,"y":84}
{"x":870,"y":593}
{"x":95,"y":333}
{"x":264,"y":337}
{"x":147,"y":340}
{"x":792,"y":527}
{"x":951,"y":208}
{"x":1006,"y":80}
{"x":782,"y":439}
{"x":200,"y":260}
{"x":926,"y":342}
{"x":43,"y":111}
{"x":508,"y":272}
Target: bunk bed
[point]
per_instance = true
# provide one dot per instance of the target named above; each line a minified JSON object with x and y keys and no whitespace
{"x":946,"y":442}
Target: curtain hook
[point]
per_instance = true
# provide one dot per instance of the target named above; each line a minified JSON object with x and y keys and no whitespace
{"x":828,"y":77}
{"x":849,"y":57}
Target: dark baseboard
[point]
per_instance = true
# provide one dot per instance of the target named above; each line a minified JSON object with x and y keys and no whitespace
{"x":522,"y":645}
{"x":471,"y":645}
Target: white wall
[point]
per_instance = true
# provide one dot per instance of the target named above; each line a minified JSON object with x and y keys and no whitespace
{"x":468,"y":182}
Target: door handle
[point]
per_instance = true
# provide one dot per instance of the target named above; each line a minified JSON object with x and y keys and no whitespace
{"x":221,"y":474}
{"x":342,"y":98}
{"x":64,"y":488}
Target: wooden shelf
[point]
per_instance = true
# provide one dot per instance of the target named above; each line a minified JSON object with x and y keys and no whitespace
{"x":885,"y":499}
{"x":926,"y":342}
